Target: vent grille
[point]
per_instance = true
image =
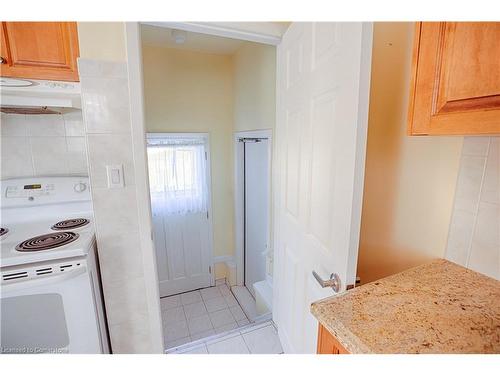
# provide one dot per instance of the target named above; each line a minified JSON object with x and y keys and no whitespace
{"x":62,"y":268}
{"x":14,"y":275}
{"x":44,"y":271}
{"x":41,"y":271}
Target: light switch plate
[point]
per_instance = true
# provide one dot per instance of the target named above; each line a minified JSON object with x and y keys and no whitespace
{"x":115,"y":176}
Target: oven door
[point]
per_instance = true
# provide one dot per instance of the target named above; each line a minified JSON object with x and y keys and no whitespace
{"x":50,"y":314}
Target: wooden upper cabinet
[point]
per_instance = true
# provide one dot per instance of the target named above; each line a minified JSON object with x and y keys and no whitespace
{"x":455,"y":87}
{"x":39,"y":50}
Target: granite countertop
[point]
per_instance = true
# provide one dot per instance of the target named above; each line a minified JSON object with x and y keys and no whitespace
{"x":438,"y":307}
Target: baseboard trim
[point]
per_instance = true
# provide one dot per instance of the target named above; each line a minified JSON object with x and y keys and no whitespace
{"x":223,"y":259}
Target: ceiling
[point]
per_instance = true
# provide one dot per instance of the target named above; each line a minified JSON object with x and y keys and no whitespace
{"x":161,"y":37}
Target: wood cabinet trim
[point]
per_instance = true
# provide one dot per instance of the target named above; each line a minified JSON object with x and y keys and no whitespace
{"x":33,"y":69}
{"x":414,"y":75}
{"x":327,"y":343}
{"x":433,"y":109}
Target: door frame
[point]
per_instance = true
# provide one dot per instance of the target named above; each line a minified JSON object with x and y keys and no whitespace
{"x":133,"y":58}
{"x":239,"y":196}
{"x":206,"y":138}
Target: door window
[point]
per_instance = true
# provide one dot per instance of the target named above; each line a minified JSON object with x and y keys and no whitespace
{"x":177,"y":170}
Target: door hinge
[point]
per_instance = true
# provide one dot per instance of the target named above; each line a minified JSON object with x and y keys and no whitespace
{"x":207,"y":215}
{"x":209,"y":269}
{"x":206,"y":156}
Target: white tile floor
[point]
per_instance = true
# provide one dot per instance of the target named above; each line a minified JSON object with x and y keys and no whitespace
{"x":198,"y":314}
{"x":257,"y":339}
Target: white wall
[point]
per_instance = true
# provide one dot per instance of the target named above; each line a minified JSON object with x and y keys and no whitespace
{"x":409,"y":181}
{"x":474,"y":237}
{"x":43,"y":145}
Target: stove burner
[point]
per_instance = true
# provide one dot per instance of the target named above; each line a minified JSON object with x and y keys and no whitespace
{"x":3,"y":231}
{"x":70,"y":224}
{"x":47,"y":241}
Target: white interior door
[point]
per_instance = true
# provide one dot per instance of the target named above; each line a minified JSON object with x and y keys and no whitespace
{"x":256,"y":210}
{"x":323,"y":90}
{"x":181,"y":224}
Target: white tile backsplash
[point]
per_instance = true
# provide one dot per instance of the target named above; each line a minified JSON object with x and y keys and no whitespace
{"x":45,"y":125}
{"x":122,"y":253}
{"x":131,"y":336}
{"x":77,"y":155}
{"x":106,"y":102}
{"x":474,"y":236}
{"x":115,"y":212}
{"x":49,"y":155}
{"x":125,"y":299}
{"x":491,"y":185}
{"x":106,"y":115}
{"x":73,"y":124}
{"x":16,"y":157}
{"x":100,"y":68}
{"x":110,"y":149}
{"x":13,"y":125}
{"x":36,"y":145}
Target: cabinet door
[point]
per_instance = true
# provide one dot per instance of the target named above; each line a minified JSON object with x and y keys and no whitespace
{"x":327,"y":344}
{"x":39,"y":50}
{"x":456,"y":79}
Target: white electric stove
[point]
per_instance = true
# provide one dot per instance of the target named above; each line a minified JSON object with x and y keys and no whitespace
{"x":51,"y":298}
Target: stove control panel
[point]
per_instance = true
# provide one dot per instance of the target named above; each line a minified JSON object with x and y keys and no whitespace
{"x":26,"y":191}
{"x":44,"y":190}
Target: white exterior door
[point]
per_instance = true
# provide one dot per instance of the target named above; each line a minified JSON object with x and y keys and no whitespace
{"x":256,"y":211}
{"x":323,"y":91}
{"x":181,"y":225}
{"x":182,"y":252}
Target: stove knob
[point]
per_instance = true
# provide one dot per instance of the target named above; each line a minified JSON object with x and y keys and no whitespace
{"x":80,"y":187}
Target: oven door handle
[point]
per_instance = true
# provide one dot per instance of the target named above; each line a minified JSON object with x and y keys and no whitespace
{"x":20,"y":284}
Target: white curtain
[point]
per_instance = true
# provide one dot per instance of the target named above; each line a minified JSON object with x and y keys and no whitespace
{"x":177,"y":175}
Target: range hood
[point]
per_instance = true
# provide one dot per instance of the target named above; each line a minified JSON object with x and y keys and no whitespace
{"x":38,"y":97}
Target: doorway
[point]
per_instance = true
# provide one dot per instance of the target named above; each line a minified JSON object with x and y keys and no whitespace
{"x":253,"y":189}
{"x":179,"y":180}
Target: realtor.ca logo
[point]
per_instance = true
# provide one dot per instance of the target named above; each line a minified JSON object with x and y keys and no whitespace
{"x":31,"y":350}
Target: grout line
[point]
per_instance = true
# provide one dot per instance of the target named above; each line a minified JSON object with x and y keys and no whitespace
{"x":223,"y":336}
{"x":476,"y":211}
{"x":216,"y":336}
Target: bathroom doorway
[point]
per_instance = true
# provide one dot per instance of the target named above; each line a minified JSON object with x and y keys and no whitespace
{"x":253,"y":220}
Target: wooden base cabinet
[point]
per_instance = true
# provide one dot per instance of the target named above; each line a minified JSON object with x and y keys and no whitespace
{"x":455,"y":86}
{"x":327,"y":344}
{"x":39,"y":50}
